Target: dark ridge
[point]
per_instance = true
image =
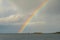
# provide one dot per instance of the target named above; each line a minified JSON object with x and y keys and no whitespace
{"x":56,"y":33}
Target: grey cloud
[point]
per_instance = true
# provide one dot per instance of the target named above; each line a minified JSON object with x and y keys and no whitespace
{"x":52,"y":19}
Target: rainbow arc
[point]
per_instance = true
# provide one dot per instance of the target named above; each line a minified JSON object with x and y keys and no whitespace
{"x":39,"y":8}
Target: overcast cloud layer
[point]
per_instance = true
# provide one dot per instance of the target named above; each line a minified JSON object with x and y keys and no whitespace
{"x":13,"y":13}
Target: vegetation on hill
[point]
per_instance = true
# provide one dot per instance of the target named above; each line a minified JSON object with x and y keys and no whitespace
{"x":56,"y":33}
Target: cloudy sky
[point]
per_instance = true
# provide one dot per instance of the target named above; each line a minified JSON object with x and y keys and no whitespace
{"x":13,"y":14}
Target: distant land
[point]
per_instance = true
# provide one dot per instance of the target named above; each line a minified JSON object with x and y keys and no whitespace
{"x":56,"y":33}
{"x":33,"y":33}
{"x":43,"y":33}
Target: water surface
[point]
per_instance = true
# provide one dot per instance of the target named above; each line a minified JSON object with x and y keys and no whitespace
{"x":25,"y":36}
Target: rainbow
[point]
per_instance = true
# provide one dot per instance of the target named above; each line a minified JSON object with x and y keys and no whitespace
{"x":39,"y":8}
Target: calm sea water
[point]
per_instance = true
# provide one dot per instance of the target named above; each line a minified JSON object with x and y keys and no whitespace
{"x":29,"y":36}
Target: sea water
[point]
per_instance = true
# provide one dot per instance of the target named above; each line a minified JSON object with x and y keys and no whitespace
{"x":25,"y":36}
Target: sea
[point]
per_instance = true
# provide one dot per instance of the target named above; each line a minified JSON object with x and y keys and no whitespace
{"x":28,"y":36}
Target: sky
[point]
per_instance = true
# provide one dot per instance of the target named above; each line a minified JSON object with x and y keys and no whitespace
{"x":13,"y":14}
